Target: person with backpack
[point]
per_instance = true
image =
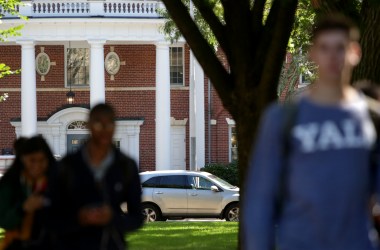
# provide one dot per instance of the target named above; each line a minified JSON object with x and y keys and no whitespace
{"x":91,"y":185}
{"x":311,"y":175}
{"x":23,"y":196}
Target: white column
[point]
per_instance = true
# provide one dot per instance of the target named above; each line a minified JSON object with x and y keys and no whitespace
{"x":28,"y":89}
{"x":56,"y":136}
{"x":192,"y":125}
{"x":192,"y":122}
{"x":162,"y":107}
{"x":97,"y":81}
{"x":199,"y":116}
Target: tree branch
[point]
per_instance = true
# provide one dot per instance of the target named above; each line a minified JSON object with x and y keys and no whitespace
{"x":257,"y":16}
{"x":201,"y":49}
{"x":238,"y":26}
{"x":273,"y":45}
{"x":213,"y":21}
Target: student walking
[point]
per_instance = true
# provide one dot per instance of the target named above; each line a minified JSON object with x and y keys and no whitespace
{"x":90,"y":187}
{"x":309,"y":182}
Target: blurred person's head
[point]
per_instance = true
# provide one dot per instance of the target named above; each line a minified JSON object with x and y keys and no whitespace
{"x":335,"y":48}
{"x":101,"y":123}
{"x":36,"y":157}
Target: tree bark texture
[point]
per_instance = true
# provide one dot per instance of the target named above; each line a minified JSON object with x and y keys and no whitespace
{"x":255,"y":51}
{"x":369,"y":67}
{"x":255,"y":61}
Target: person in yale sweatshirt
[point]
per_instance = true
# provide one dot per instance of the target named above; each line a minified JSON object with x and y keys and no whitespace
{"x":309,"y":185}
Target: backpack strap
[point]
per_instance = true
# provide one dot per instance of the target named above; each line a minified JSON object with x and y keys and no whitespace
{"x":374,"y":113}
{"x":290,"y":110}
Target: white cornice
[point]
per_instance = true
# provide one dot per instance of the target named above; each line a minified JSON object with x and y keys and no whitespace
{"x":52,"y":30}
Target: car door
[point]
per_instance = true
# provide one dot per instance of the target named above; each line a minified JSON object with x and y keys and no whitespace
{"x":171,"y":195}
{"x":148,"y":187}
{"x":201,"y":199}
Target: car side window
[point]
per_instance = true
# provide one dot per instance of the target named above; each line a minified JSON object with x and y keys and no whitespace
{"x":174,"y":181}
{"x":152,"y":182}
{"x":198,"y":182}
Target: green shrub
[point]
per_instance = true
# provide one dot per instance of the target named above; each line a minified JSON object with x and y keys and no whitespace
{"x":228,"y":172}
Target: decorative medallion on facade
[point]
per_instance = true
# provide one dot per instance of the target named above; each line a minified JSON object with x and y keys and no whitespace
{"x":77,"y":125}
{"x":43,"y":64}
{"x":112,"y":63}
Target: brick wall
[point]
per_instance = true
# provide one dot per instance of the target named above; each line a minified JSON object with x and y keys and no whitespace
{"x":139,"y":71}
{"x":219,"y":133}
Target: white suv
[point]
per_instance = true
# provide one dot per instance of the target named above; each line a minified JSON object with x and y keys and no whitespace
{"x":187,"y":194}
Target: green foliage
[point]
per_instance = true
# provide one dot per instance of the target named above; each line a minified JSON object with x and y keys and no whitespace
{"x":228,"y":172}
{"x":298,"y":46}
{"x":3,"y":97}
{"x":172,"y":33}
{"x":291,"y":72}
{"x":298,"y":43}
{"x":300,"y":36}
{"x":13,"y":31}
{"x":183,"y":235}
{"x":6,"y":70}
{"x":10,"y":6}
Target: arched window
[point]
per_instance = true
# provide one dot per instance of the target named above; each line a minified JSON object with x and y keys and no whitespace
{"x":77,"y":125}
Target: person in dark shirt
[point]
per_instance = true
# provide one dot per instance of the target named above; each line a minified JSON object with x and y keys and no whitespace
{"x":23,"y":199}
{"x":90,"y":187}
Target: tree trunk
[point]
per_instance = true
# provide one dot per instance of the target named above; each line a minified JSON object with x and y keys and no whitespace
{"x":369,"y":68}
{"x":255,"y":53}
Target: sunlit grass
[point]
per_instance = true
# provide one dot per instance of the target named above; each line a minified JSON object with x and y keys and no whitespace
{"x":185,"y":235}
{"x":175,"y":235}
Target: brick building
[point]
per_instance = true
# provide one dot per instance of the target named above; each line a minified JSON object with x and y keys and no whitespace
{"x":110,"y":51}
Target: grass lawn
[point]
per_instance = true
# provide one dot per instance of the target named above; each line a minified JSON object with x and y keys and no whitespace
{"x":175,"y":235}
{"x":179,"y":235}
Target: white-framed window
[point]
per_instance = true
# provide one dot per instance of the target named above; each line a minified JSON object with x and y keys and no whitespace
{"x":176,"y":66}
{"x":233,"y":145}
{"x":77,"y":67}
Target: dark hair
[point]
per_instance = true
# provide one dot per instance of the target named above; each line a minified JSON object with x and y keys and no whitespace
{"x":336,"y":22}
{"x":24,"y":146}
{"x":37,"y":144}
{"x":17,"y":145}
{"x":103,"y":109}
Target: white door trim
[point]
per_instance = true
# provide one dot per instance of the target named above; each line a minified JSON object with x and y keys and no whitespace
{"x":55,"y":131}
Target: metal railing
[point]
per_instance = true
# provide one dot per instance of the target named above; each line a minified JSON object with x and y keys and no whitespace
{"x":92,"y":8}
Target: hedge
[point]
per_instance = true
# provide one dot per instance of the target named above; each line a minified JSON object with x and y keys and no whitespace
{"x":228,"y":172}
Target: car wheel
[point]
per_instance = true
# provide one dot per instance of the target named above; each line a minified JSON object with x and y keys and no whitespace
{"x":151,"y":213}
{"x":232,"y":212}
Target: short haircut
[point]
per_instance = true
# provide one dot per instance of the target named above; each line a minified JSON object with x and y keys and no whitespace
{"x":102,"y":109}
{"x":336,"y":22}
